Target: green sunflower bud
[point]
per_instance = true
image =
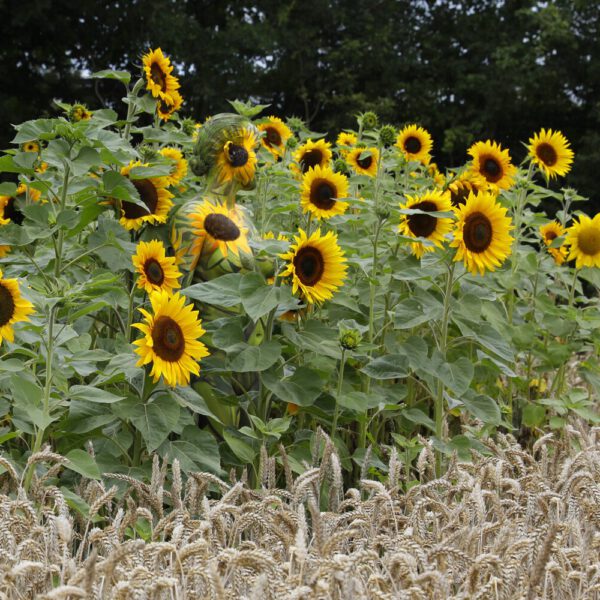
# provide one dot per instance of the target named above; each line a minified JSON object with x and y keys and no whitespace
{"x":292,"y":143}
{"x":382,"y":212}
{"x":147,"y":153}
{"x":349,"y":339}
{"x":369,"y":120}
{"x":296,"y":124}
{"x":188,"y":126}
{"x":387,"y":135}
{"x":340,"y":166}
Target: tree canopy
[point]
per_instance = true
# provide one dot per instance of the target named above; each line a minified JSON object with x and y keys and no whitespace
{"x":464,"y":69}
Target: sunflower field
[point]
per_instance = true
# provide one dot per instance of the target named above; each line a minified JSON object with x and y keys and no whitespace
{"x":242,"y":297}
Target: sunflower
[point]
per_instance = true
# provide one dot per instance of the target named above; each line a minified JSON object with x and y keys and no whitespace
{"x":159,"y":80}
{"x":154,"y":196}
{"x":363,"y":160}
{"x":281,"y":237}
{"x":237,"y":159}
{"x":170,"y":339}
{"x":348,"y":139}
{"x":549,"y":233}
{"x":157,"y":270}
{"x":462,"y":186}
{"x":276,"y":134}
{"x":491,"y":164}
{"x":13,"y":307}
{"x":166,"y":107}
{"x":180,"y":165}
{"x":31,"y":146}
{"x":583,"y":237}
{"x":415,"y":143}
{"x":434,"y":229}
{"x":321,"y":192}
{"x":481,"y":234}
{"x":10,"y":205}
{"x":4,"y":250}
{"x":79,"y":112}
{"x":438,"y":177}
{"x":316,"y":264}
{"x":312,"y":154}
{"x":551,"y":153}
{"x":218,"y":228}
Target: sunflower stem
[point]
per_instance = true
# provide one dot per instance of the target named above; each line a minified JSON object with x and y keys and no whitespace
{"x":39,"y":438}
{"x":519,"y":206}
{"x":438,"y":408}
{"x":61,"y":233}
{"x":338,"y":392}
{"x":131,"y":96}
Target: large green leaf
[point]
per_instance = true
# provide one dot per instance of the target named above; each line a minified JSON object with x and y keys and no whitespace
{"x":258,"y":298}
{"x":222,"y":291}
{"x":93,"y":394}
{"x":256,"y":358}
{"x":156,"y":420}
{"x":196,"y":450}
{"x":83,"y":463}
{"x":392,"y":366}
{"x":303,"y":387}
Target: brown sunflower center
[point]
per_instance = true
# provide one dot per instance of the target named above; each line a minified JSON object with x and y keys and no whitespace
{"x":221,"y":227}
{"x":154,"y":272}
{"x":412,"y":145}
{"x":167,"y":338}
{"x":273,"y":137}
{"x":459,"y":194}
{"x":547,"y":154}
{"x":236,"y":155}
{"x":551,"y":235}
{"x":165,"y":107}
{"x":423,"y":225}
{"x":323,"y":194}
{"x":148,"y":195}
{"x":589,"y":240}
{"x":364,"y":163}
{"x":477,"y":232}
{"x":311,"y":159}
{"x":158,"y":76}
{"x":491,"y":169}
{"x":12,"y":212}
{"x":309,"y":265}
{"x":7,"y":305}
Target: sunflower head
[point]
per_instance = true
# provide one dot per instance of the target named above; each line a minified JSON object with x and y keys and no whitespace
{"x":364,"y":161}
{"x":79,"y":112}
{"x":180,"y":165}
{"x":387,"y":135}
{"x":322,"y":191}
{"x":154,"y":196}
{"x":550,"y":151}
{"x":31,"y":146}
{"x":462,"y":186}
{"x":482,"y":233}
{"x":225,"y":151}
{"x":13,"y":308}
{"x":220,"y":240}
{"x":168,"y":106}
{"x":345,"y":141}
{"x":159,"y":81}
{"x":549,"y":232}
{"x":311,"y":154}
{"x":10,"y":206}
{"x":421,"y":225}
{"x":492,"y":165}
{"x":369,"y":120}
{"x":170,"y":339}
{"x":583,"y":239}
{"x":275,"y":134}
{"x":156,"y":271}
{"x":316,"y":264}
{"x":415,"y":143}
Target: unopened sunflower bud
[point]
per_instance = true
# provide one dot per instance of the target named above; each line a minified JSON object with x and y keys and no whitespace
{"x":369,"y":120}
{"x":79,"y":112}
{"x":147,"y":153}
{"x":349,"y":339}
{"x":387,"y":135}
{"x":188,"y":126}
{"x":295,"y":124}
{"x":340,"y":166}
{"x":292,"y":142}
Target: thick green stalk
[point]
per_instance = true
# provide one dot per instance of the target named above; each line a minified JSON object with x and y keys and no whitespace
{"x":438,"y":408}
{"x":338,"y":392}
{"x":58,"y":248}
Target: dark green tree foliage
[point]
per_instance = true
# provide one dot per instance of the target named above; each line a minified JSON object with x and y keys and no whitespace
{"x":465,"y":69}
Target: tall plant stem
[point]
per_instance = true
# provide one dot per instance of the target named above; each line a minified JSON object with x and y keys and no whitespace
{"x":58,"y":248}
{"x":438,"y":407}
{"x":338,"y":392}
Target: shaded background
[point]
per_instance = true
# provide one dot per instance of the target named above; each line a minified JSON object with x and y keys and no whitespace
{"x":464,"y":69}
